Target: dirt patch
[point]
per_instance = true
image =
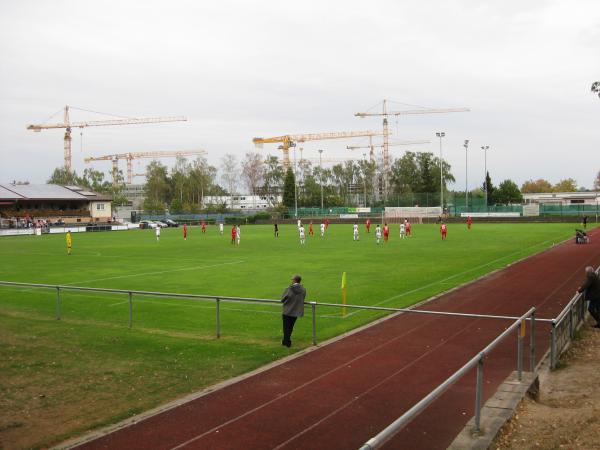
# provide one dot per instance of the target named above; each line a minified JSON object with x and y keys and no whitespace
{"x":567,"y":414}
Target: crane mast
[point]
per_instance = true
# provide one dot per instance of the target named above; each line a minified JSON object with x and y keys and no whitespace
{"x":68,"y":126}
{"x":385,"y":114}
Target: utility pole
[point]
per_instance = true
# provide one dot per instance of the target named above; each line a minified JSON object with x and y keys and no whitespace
{"x":466,"y":146}
{"x":485,"y":148}
{"x":365,"y":177}
{"x":441,"y":134}
{"x":321,"y":176}
{"x":295,"y":187}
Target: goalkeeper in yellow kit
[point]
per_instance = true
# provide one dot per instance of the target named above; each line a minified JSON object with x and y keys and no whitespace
{"x":69,"y":242}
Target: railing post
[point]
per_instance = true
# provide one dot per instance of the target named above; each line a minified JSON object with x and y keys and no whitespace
{"x":520,"y":351}
{"x":313,"y":306}
{"x":532,"y":344}
{"x":130,"y":309}
{"x":218,"y":305}
{"x":57,"y":302}
{"x":553,"y":345}
{"x":571,"y":329}
{"x":478,"y":394}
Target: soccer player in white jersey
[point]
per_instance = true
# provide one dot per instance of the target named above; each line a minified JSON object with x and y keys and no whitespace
{"x":237,"y":234}
{"x":322,"y":229}
{"x":355,"y":232}
{"x":221,"y":228}
{"x":378,"y":233}
{"x":157,"y":233}
{"x":301,"y":231}
{"x":402,"y":231}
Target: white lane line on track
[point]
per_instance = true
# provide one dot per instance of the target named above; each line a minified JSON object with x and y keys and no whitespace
{"x":345,"y":364}
{"x":444,"y":280}
{"x":302,"y":386}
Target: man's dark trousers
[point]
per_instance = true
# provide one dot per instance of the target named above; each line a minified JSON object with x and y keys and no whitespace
{"x":288,"y":327}
{"x":594,"y":309}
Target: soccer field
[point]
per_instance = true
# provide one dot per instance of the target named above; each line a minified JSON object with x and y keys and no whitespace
{"x":171,"y":350}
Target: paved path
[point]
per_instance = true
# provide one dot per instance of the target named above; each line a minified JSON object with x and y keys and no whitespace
{"x":341,"y":394}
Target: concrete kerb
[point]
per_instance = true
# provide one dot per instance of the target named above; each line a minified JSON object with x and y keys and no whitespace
{"x":72,"y":443}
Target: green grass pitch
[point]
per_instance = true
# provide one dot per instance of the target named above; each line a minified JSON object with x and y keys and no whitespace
{"x":172,"y":349}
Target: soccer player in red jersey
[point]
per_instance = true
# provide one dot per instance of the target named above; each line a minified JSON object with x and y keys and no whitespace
{"x":368,"y":225}
{"x":310,"y":230}
{"x":203,"y":227}
{"x":233,"y":234}
{"x":469,"y":222}
{"x":443,"y":231}
{"x":185,"y":232}
{"x":407,"y":227}
{"x":386,"y":232}
{"x":326,"y":223}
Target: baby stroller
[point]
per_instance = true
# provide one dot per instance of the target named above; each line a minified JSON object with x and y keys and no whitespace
{"x":581,"y":237}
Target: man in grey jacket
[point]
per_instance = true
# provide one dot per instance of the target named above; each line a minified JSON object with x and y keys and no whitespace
{"x":591,"y":290}
{"x":293,"y":307}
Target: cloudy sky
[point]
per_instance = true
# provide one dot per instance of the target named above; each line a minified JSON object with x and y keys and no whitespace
{"x":239,"y":69}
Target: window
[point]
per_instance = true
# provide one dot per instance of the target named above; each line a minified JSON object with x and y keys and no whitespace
{"x":100,"y":206}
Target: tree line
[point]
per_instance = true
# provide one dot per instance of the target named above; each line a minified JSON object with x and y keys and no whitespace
{"x":183,"y":188}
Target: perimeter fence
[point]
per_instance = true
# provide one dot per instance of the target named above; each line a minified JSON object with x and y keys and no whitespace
{"x":563,"y":330}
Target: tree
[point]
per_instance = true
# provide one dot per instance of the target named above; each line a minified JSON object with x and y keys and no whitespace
{"x":405,"y":174}
{"x":596,"y":87}
{"x":427,"y":181}
{"x":253,"y":171}
{"x":229,"y":172}
{"x":63,"y":177}
{"x":535,"y":187}
{"x":507,"y":192}
{"x":272,"y":177}
{"x":289,"y":195}
{"x":597,"y":182}
{"x":566,"y":185}
{"x":157,"y":188}
{"x":489,"y":188}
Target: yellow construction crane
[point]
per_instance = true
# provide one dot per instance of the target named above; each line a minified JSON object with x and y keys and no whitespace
{"x":129,"y":157}
{"x":290,"y":140}
{"x":385,"y":113}
{"x":68,"y":125}
{"x":390,"y":144}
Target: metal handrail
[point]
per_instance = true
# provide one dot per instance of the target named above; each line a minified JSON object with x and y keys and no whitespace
{"x":399,"y":423}
{"x":259,"y":300}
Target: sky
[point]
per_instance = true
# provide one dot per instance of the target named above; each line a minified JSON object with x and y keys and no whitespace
{"x":239,"y":70}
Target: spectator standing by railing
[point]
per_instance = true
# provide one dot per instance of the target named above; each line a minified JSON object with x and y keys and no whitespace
{"x":591,"y":292}
{"x":293,"y":307}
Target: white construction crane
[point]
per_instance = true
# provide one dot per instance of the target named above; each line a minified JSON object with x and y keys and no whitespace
{"x":68,"y":125}
{"x":129,"y":157}
{"x":371,"y":147}
{"x":385,"y":113}
{"x":289,"y":140}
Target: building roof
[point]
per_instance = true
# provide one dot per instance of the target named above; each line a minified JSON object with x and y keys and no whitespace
{"x":48,"y":192}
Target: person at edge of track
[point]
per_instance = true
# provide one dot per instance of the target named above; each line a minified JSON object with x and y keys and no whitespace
{"x":293,"y":307}
{"x":591,"y":291}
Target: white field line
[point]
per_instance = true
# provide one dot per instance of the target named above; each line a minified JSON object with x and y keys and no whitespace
{"x":445,"y":280}
{"x":154,"y":273}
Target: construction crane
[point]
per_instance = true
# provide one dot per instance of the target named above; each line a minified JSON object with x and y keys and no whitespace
{"x":68,"y":125}
{"x":290,"y":140}
{"x":385,"y":113}
{"x":129,"y":157}
{"x":390,"y":144}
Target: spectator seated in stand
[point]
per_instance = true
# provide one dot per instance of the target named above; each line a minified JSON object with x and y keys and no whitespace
{"x":581,"y":237}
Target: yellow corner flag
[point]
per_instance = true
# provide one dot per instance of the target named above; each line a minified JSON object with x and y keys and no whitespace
{"x":344,"y":293}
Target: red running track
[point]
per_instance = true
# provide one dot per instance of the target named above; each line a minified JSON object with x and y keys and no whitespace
{"x":341,"y":394}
